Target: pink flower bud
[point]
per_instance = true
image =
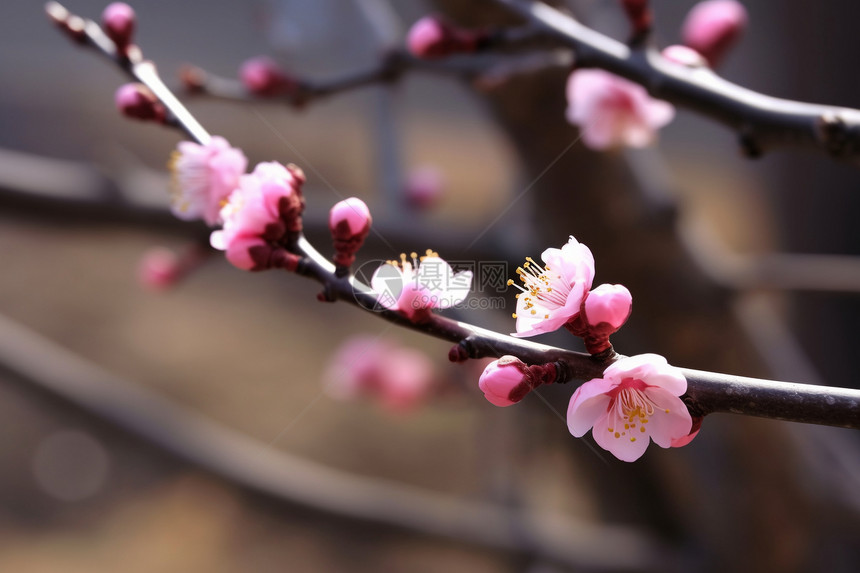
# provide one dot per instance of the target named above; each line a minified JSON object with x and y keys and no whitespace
{"x":684,"y":55}
{"x":262,"y":76}
{"x":349,"y":221}
{"x":712,"y":28}
{"x":159,"y":269}
{"x":423,"y":187}
{"x":432,"y":37}
{"x":118,"y":20}
{"x":610,"y":304}
{"x":137,"y":102}
{"x":504,"y":381}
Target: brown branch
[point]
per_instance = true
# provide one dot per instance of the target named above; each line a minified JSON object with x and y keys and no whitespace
{"x":707,"y":393}
{"x":762,"y":122}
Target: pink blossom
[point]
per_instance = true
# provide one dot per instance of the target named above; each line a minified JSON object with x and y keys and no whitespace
{"x":415,"y":285}
{"x":265,"y":206}
{"x":610,"y":304}
{"x":637,"y":399}
{"x":262,"y":76}
{"x":159,"y":269}
{"x":203,"y":178}
{"x":552,"y":295}
{"x":370,"y":367}
{"x":424,"y":187}
{"x":432,"y":37}
{"x":612,"y":111}
{"x":118,"y":21}
{"x":713,"y":27}
{"x":138,"y":102}
{"x":503,"y":381}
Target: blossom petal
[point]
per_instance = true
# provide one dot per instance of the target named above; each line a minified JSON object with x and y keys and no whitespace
{"x":671,"y":421}
{"x":588,"y":404}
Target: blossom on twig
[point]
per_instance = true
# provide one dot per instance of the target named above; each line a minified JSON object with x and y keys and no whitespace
{"x":636,"y":400}
{"x":203,"y":176}
{"x":552,"y":295}
{"x":415,"y":285}
{"x":613,"y":112}
{"x":259,"y":214}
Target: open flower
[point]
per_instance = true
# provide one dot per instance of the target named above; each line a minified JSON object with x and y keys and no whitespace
{"x":415,"y":285}
{"x":266,"y":205}
{"x":613,"y":112}
{"x":203,"y":178}
{"x":552,"y":295}
{"x":636,"y":400}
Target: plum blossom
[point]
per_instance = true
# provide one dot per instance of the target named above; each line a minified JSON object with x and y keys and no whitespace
{"x":265,"y":206}
{"x":612,"y":111}
{"x":203,"y":178}
{"x":370,"y":367}
{"x":415,"y":285}
{"x":552,"y":295}
{"x":637,"y":400}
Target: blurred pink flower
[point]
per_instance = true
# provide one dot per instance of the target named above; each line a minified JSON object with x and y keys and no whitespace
{"x":137,"y":101}
{"x":713,"y":27}
{"x":636,"y":400}
{"x":612,"y":111}
{"x":264,"y":77}
{"x":552,"y":295}
{"x":368,"y":367}
{"x":424,"y":187}
{"x":203,"y":178}
{"x":414,"y":286}
{"x":118,"y":21}
{"x":259,"y":213}
{"x":610,"y":304}
{"x":433,"y":37}
{"x":159,"y":269}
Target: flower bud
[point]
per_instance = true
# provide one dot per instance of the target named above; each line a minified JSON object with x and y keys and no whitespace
{"x":503,"y":381}
{"x":639,"y":13}
{"x":262,"y":76}
{"x":432,"y":37}
{"x":608,"y":304}
{"x":684,"y":55}
{"x":138,"y":102}
{"x":159,"y":269}
{"x":349,"y":221}
{"x":118,"y":21}
{"x":507,"y":380}
{"x":712,"y":28}
{"x":423,"y":187}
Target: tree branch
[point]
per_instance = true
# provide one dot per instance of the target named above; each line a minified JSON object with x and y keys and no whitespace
{"x":762,"y":122}
{"x":707,"y":393}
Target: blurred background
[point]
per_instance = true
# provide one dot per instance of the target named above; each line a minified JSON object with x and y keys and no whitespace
{"x":250,"y":465}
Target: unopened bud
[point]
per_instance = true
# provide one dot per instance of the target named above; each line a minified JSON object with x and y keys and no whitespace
{"x":262,"y":76}
{"x":639,"y":13}
{"x":712,"y":28}
{"x":507,"y":380}
{"x":349,"y":221}
{"x":608,"y":304}
{"x":432,"y":37}
{"x":118,"y":21}
{"x":138,"y":102}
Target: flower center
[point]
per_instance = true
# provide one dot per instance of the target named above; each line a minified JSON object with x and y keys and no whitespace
{"x":633,"y":408}
{"x":411,"y":262}
{"x":541,"y":288}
